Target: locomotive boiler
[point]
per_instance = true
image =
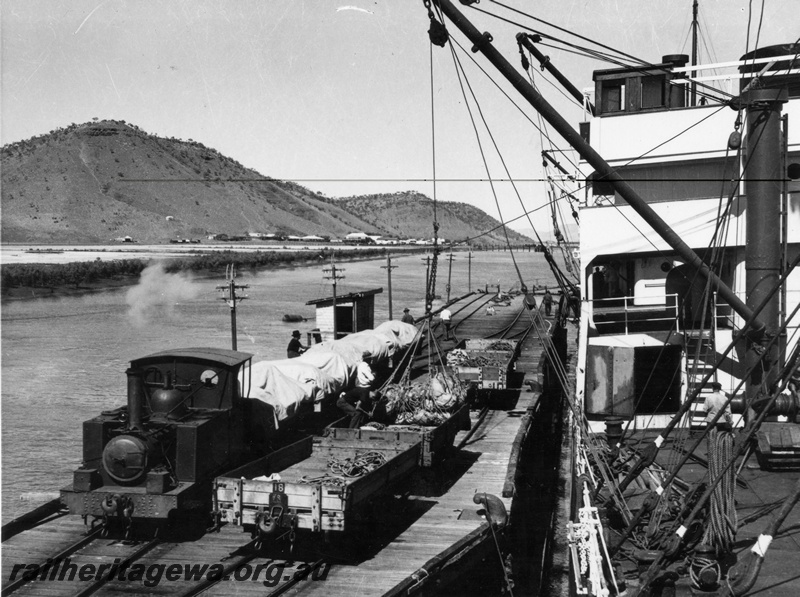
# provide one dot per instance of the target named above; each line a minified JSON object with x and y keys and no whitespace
{"x":186,"y":421}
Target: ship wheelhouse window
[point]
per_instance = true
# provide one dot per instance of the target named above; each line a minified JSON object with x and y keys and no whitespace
{"x":653,"y":92}
{"x":613,"y":96}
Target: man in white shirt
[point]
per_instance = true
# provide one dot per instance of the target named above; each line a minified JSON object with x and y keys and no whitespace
{"x":364,"y":374}
{"x":715,"y":402}
{"x":446,"y":315}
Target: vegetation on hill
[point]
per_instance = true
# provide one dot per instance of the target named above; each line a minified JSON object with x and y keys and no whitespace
{"x":101,"y":180}
{"x":394,"y":213}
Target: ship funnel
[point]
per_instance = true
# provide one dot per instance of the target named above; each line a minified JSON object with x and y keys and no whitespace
{"x":677,"y":92}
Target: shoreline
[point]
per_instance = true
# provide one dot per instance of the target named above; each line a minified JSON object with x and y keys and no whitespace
{"x":28,"y":293}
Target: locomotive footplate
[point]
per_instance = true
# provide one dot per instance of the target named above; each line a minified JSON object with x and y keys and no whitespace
{"x":132,"y":502}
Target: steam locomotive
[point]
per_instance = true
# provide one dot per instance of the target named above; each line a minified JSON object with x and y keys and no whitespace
{"x":186,"y":421}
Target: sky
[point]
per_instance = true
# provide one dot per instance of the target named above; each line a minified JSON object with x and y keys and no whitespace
{"x":344,"y":97}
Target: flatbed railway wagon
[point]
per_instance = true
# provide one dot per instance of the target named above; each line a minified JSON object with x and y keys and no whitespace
{"x":316,"y":484}
{"x":485,"y":364}
{"x":435,"y":440}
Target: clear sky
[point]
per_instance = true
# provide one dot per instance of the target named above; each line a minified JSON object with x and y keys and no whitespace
{"x":333,"y":94}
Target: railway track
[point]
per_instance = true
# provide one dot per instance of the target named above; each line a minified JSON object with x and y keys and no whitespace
{"x":113,"y":562}
{"x":62,"y":568}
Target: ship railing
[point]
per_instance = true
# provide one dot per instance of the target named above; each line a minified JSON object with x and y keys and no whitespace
{"x":636,"y":312}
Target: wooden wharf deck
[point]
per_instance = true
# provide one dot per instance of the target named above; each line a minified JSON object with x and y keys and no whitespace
{"x":396,"y":539}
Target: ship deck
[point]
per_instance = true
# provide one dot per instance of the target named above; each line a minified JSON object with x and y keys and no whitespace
{"x":414,"y":537}
{"x":758,"y":496}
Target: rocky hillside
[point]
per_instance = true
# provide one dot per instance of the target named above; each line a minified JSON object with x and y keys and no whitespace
{"x":101,"y":180}
{"x":394,"y":214}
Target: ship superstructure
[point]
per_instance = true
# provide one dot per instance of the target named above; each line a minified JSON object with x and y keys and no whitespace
{"x":681,"y":433}
{"x":643,"y":305}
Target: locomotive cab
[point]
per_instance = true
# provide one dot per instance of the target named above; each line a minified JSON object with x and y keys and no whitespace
{"x":184,"y":423}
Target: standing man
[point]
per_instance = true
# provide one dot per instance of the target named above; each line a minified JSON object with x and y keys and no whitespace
{"x":548,"y":301}
{"x":364,"y":374}
{"x":407,"y":317}
{"x":295,"y":348}
{"x":446,"y":315}
{"x":715,"y":402}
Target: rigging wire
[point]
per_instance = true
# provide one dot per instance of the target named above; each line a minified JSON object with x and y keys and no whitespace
{"x":562,"y":29}
{"x":563,"y":283}
{"x":513,"y":102}
{"x":430,"y":283}
{"x":605,"y":58}
{"x":461,"y":73}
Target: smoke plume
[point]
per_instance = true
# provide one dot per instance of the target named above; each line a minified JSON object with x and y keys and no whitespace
{"x":157,"y":292}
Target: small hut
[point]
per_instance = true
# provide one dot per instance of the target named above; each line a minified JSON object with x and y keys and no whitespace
{"x":354,"y":312}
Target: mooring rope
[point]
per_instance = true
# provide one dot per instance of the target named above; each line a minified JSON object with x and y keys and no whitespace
{"x":721,"y":532}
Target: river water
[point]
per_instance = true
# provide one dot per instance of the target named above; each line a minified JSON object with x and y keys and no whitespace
{"x":64,"y":359}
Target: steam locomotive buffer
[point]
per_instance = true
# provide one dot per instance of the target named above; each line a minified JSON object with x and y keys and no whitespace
{"x":185,"y":423}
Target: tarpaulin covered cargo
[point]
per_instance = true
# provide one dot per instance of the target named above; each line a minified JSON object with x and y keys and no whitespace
{"x":405,"y":333}
{"x":316,"y":382}
{"x":281,"y":392}
{"x":380,"y":346}
{"x":351,"y":353}
{"x":331,"y":363}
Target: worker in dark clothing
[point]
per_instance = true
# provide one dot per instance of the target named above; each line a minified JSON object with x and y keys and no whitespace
{"x":359,"y":404}
{"x":547,"y":301}
{"x":407,"y":317}
{"x":295,"y":348}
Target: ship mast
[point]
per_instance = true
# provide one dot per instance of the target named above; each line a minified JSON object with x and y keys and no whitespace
{"x":693,"y":97}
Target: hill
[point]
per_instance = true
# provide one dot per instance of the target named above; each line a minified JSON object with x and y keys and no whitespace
{"x":397,"y":213}
{"x":92,"y":182}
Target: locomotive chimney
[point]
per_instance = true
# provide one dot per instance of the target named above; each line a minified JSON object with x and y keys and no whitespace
{"x":136,"y":398}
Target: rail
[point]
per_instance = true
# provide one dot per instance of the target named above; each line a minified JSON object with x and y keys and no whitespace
{"x":624,"y":310}
{"x":60,"y":556}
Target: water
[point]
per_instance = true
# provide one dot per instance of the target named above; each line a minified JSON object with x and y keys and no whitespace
{"x":64,"y":360}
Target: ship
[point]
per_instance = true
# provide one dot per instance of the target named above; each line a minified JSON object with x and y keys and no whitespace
{"x":679,"y":473}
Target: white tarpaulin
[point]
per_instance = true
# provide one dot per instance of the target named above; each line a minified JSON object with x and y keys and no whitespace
{"x":316,"y":382}
{"x":332,"y":364}
{"x":403,"y":332}
{"x":349,"y":352}
{"x":379,"y":346}
{"x":278,"y":390}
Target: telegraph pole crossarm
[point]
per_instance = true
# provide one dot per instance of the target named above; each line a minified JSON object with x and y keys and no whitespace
{"x":231,"y":297}
{"x":333,"y":274}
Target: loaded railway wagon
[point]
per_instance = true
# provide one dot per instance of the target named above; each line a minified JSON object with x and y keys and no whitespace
{"x":316,"y":484}
{"x":435,"y":441}
{"x":484,"y":363}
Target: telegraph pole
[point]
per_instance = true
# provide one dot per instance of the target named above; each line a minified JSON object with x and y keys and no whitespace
{"x":469,"y":272}
{"x":389,"y":267}
{"x":449,"y":273}
{"x":332,"y":274}
{"x":428,"y":289}
{"x":231,"y":287}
